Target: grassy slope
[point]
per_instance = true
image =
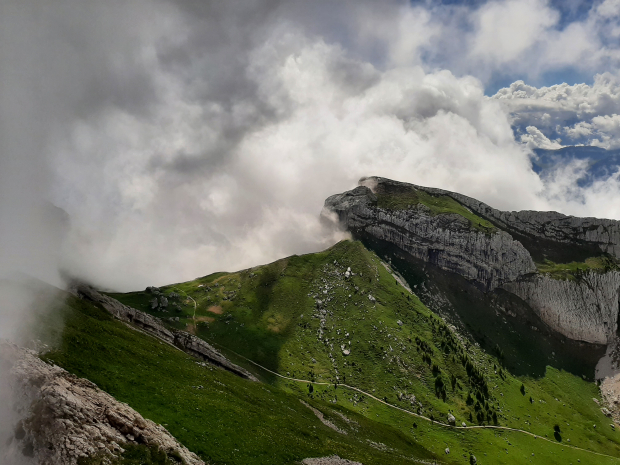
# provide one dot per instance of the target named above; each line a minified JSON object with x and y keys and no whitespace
{"x":438,"y":205}
{"x":270,"y":315}
{"x":229,"y":420}
{"x":571,"y":271}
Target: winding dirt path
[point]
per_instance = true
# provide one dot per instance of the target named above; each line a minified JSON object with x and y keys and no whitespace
{"x":422,"y":417}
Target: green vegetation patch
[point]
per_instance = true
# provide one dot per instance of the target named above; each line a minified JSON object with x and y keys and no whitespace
{"x":572,"y":271}
{"x":219,"y":416}
{"x":405,"y":198}
{"x":305,"y":318}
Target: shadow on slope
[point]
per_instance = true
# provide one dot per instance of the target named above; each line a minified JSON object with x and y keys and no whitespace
{"x":217,"y":415}
{"x":500,"y":322}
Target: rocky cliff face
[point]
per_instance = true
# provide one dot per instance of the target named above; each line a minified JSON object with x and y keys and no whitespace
{"x":64,"y":418}
{"x":447,"y":241}
{"x":602,"y":233}
{"x":584,"y":309}
{"x":186,"y":342}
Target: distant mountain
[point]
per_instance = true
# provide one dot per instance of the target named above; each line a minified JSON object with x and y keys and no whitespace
{"x":602,"y":163}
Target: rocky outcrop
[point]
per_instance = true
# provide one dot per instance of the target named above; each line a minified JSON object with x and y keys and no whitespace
{"x":608,"y":373}
{"x":447,"y":241}
{"x":610,"y":392}
{"x":584,"y":309}
{"x":331,"y":460}
{"x":186,"y":342}
{"x":603,"y":233}
{"x":63,"y":418}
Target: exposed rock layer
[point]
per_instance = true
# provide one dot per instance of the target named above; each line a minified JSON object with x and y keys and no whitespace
{"x":584,"y":309}
{"x":331,"y":460}
{"x":186,"y":342}
{"x":66,"y":417}
{"x":551,"y":225}
{"x":447,"y":241}
{"x":610,"y":392}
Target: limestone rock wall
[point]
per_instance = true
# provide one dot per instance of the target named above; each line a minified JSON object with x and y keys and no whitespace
{"x":64,"y":418}
{"x":448,"y":241}
{"x":183,"y":340}
{"x":555,"y":226}
{"x":585,"y":309}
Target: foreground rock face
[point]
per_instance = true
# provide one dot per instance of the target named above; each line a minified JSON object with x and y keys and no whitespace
{"x":186,"y":342}
{"x":585,"y":309}
{"x":65,"y":418}
{"x":447,"y":241}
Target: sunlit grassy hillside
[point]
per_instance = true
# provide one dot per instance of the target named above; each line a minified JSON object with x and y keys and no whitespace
{"x":341,"y":317}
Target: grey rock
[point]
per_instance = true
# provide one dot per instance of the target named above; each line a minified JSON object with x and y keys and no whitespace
{"x":65,"y":418}
{"x":447,"y":241}
{"x":331,"y":460}
{"x":153,"y":326}
{"x":555,"y":226}
{"x":451,"y":419}
{"x":584,"y":309}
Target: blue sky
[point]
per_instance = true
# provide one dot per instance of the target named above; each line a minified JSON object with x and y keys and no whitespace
{"x":568,"y":13}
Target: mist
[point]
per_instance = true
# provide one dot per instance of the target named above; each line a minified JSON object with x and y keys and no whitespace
{"x":184,"y":138}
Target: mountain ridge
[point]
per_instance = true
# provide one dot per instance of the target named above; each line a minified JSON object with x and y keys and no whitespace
{"x":492,"y":258}
{"x":359,"y":351}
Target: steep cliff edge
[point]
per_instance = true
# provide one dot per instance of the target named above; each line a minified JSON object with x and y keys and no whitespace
{"x":446,"y":240}
{"x":557,"y":227}
{"x":585,"y":309}
{"x":461,"y":235}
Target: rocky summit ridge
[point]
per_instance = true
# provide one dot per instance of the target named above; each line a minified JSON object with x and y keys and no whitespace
{"x":496,"y":250}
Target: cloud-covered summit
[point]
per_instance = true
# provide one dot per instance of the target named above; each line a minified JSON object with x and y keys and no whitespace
{"x":188,"y":137}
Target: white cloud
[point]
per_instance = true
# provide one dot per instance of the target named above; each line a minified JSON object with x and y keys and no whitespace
{"x":528,"y":38}
{"x":579,"y":113}
{"x":157,"y":207}
{"x":606,"y":131}
{"x":608,"y":9}
{"x":535,"y":139}
{"x":506,"y":29}
{"x":206,"y":136}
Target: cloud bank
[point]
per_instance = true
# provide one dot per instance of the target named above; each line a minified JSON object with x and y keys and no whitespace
{"x":184,"y":137}
{"x":577,"y":114}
